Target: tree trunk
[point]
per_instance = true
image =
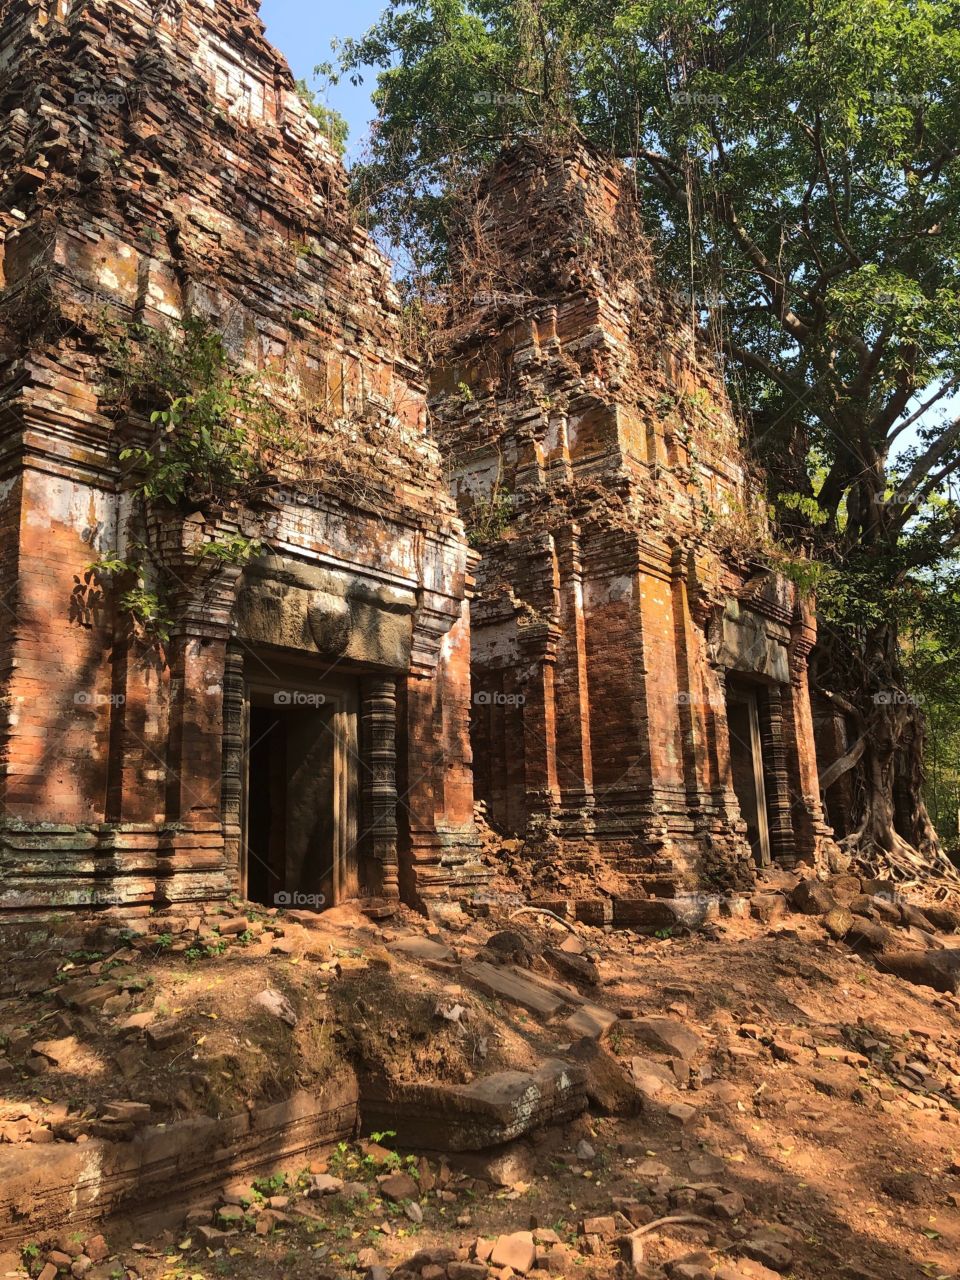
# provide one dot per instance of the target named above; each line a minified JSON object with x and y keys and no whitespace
{"x":888,"y":828}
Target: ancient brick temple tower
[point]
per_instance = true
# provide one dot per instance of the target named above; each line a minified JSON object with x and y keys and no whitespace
{"x":304,"y":730}
{"x":641,"y":710}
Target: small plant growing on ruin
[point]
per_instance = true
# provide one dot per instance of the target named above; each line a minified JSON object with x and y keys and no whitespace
{"x":214,"y":432}
{"x":272,"y":1185}
{"x":150,"y":618}
{"x":214,"y":427}
{"x":381,"y":1136}
{"x":330,"y":121}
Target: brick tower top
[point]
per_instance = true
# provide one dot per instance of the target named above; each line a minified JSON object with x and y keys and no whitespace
{"x":157,"y":160}
{"x":565,"y":367}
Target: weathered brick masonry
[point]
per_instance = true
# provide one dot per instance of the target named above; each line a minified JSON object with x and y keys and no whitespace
{"x":637,"y":680}
{"x":155,"y":162}
{"x":640,"y":710}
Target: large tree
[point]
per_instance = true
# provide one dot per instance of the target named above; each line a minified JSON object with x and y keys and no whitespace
{"x":798,"y":162}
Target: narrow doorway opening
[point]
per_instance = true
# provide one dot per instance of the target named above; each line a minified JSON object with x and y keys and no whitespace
{"x":300,"y":798}
{"x":746,"y":765}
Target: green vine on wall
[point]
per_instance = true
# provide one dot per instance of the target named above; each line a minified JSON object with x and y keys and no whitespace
{"x":214,"y":436}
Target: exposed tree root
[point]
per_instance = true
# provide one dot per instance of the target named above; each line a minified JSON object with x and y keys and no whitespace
{"x":901,"y":862}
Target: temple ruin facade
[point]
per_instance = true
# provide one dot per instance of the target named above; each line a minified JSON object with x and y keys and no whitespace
{"x":527,"y":584}
{"x":641,"y":705}
{"x":157,"y":162}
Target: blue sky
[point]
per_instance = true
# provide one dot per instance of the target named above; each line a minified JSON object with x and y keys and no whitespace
{"x":302,"y":31}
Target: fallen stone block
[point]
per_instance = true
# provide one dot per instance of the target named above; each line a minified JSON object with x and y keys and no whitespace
{"x":813,"y":898}
{"x":162,"y":1035}
{"x":838,"y":922}
{"x":516,"y":1251}
{"x":426,"y":950}
{"x":669,"y":1035}
{"x":487,"y":1112}
{"x":937,"y":969}
{"x":590,"y":1020}
{"x":399,"y":1186}
{"x":573,"y":966}
{"x":510,"y":984}
{"x":610,"y":1087}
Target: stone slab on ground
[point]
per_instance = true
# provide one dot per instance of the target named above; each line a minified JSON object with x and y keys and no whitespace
{"x":590,"y":1020}
{"x":669,"y":1035}
{"x":423,"y":949}
{"x":484,"y":1113}
{"x":510,"y":984}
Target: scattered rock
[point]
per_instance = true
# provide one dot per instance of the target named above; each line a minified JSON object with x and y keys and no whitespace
{"x":768,"y":1250}
{"x":571,"y":965}
{"x":838,"y":922}
{"x":813,"y":898}
{"x":96,"y":1248}
{"x":399,"y":1186}
{"x":865,"y":936}
{"x":516,"y":1251}
{"x":58,"y":1052}
{"x":605,"y":1227}
{"x":513,"y":947}
{"x":162,"y":1035}
{"x":845,"y":888}
{"x":276,"y":1003}
{"x":230,"y":928}
{"x":668,"y":1035}
{"x":767,"y":907}
{"x":324,"y":1184}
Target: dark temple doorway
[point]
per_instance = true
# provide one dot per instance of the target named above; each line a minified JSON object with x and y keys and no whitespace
{"x":746,"y":765}
{"x":300,"y":797}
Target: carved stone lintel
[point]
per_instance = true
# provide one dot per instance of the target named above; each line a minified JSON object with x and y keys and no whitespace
{"x":379,"y":719}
